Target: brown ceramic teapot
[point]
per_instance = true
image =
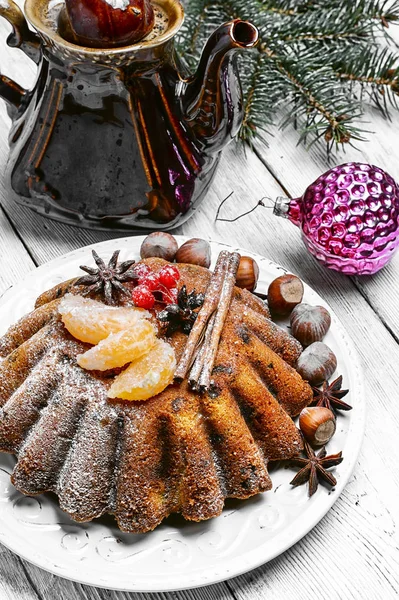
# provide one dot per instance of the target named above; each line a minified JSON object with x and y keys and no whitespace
{"x":119,"y":138}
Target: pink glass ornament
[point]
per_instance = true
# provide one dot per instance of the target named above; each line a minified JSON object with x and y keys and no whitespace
{"x":349,"y":218}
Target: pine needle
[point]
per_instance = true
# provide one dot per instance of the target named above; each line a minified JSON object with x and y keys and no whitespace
{"x":318,"y":60}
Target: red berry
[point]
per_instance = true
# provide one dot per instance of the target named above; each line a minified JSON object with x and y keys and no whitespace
{"x":170,"y":296}
{"x":143,"y":297}
{"x":141,"y":271}
{"x":150,"y":281}
{"x":169,"y":276}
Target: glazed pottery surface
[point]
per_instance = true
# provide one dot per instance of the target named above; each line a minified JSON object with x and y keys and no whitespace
{"x":120,"y":138}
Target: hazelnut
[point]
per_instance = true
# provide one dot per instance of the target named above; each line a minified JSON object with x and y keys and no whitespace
{"x":159,"y":244}
{"x":316,"y":363}
{"x":247,"y":273}
{"x":284,"y":293}
{"x":195,"y":252}
{"x":309,"y":323}
{"x":317,"y":424}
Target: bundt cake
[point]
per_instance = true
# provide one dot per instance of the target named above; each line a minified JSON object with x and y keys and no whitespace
{"x":178,"y":452}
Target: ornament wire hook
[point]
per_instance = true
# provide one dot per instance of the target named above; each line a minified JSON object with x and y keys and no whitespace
{"x":260,"y":202}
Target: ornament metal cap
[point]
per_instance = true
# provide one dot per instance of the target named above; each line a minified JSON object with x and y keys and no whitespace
{"x":281,"y":207}
{"x":289,"y":208}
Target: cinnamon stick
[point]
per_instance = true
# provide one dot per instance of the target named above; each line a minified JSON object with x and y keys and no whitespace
{"x":223,"y":308}
{"x":198,"y":364}
{"x":210,"y":305}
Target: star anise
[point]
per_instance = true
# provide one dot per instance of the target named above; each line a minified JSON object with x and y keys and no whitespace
{"x":107,"y":278}
{"x":181,"y":315}
{"x":314,"y":467}
{"x":330,"y":395}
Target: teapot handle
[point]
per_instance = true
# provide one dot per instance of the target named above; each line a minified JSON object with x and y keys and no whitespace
{"x":20,"y":37}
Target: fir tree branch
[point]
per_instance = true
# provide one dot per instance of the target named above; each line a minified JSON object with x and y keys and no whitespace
{"x":312,"y":56}
{"x":249,"y":100}
{"x":312,"y":94}
{"x":376,"y":71}
{"x":327,"y":27}
{"x":197,"y":30}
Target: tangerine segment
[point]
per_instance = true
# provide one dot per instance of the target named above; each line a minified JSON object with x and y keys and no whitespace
{"x":91,"y":321}
{"x":119,"y":348}
{"x":146,"y":376}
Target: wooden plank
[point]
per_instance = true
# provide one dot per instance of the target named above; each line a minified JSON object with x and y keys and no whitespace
{"x":47,"y":239}
{"x":15,"y":260}
{"x":14,"y":63}
{"x":50,"y":587}
{"x":355,"y":547}
{"x":352,"y":553}
{"x":14,"y":581}
{"x":297,"y":168}
{"x":280,"y":241}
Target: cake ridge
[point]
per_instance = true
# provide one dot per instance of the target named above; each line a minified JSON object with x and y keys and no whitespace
{"x":30,"y":395}
{"x":111,"y":458}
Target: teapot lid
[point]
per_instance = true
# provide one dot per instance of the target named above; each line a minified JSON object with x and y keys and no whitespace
{"x":44,"y":15}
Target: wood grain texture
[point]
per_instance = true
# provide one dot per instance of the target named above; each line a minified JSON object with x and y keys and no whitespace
{"x":353,"y":552}
{"x":46,"y":584}
{"x":305,"y":166}
{"x":12,"y":268}
{"x":14,"y":580}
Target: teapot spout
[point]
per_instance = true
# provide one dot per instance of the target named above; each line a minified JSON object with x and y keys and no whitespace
{"x":212,"y":99}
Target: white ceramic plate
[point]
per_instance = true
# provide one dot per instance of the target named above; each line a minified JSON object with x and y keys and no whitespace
{"x":178,"y":554}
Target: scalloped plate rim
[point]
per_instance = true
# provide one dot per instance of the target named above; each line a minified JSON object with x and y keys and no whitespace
{"x":249,"y":562}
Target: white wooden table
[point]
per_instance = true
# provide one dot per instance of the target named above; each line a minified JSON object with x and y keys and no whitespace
{"x":354,"y":551}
